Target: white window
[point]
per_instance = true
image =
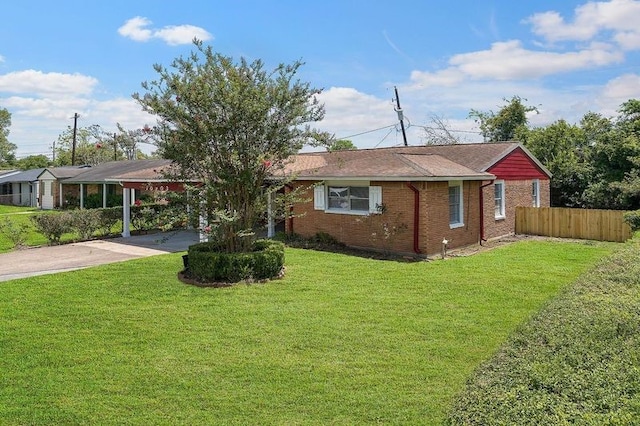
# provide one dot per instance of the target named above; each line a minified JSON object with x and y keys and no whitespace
{"x":535,"y":192}
{"x":499,"y":199}
{"x":347,"y":199}
{"x":455,"y":205}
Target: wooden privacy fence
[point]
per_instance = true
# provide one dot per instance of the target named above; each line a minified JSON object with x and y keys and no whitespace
{"x":587,"y":224}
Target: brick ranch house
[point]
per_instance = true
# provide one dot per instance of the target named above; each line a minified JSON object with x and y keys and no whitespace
{"x":463,"y":193}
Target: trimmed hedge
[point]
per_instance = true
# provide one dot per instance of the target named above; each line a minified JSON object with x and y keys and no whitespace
{"x":208,"y":263}
{"x":575,"y":362}
{"x":633,"y":219}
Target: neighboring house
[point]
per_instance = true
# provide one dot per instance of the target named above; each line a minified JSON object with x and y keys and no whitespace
{"x":462,"y":193}
{"x":52,"y":193}
{"x":72,"y":185}
{"x":20,"y":188}
{"x":102,"y":180}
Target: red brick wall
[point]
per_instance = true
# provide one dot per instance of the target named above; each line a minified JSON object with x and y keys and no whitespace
{"x":358,"y":231}
{"x":436,"y":210}
{"x":517,"y":193}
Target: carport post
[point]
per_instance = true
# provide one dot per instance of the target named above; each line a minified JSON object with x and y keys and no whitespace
{"x":126,"y":212}
{"x":271,"y":232}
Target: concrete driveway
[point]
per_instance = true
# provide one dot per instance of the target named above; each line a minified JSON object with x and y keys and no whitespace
{"x":68,"y":257}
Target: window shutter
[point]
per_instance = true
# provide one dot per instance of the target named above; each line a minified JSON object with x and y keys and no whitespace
{"x":375,"y":198}
{"x":318,"y":197}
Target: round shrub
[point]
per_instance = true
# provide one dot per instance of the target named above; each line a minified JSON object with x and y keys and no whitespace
{"x":208,"y":263}
{"x":633,"y":219}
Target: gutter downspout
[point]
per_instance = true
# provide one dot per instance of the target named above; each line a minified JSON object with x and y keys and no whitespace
{"x":482,"y":238}
{"x":290,"y":218}
{"x":416,"y":218}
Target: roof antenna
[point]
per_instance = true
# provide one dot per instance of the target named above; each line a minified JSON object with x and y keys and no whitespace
{"x":400,"y":116}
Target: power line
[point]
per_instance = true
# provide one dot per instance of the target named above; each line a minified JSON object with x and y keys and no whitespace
{"x":451,"y":130}
{"x":365,"y":132}
{"x":385,"y":136}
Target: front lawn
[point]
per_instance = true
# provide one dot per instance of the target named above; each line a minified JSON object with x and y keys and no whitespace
{"x":339,"y":340}
{"x":6,"y":209}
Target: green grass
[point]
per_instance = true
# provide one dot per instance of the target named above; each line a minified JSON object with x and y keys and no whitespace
{"x":339,"y":340}
{"x":4,"y":209}
{"x":576,"y":362}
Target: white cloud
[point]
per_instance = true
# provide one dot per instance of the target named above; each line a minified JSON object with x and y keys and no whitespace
{"x":628,"y":40}
{"x":181,"y":34}
{"x":349,"y":112}
{"x":53,"y":83}
{"x":446,"y":78}
{"x":53,"y":108}
{"x":590,"y":20}
{"x":136,"y":29}
{"x":37,"y":122}
{"x":510,"y":61}
{"x":617,"y":91}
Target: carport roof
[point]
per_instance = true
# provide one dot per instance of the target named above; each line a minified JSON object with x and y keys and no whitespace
{"x":118,"y":170}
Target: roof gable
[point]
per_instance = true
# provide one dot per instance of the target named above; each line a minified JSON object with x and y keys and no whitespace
{"x":518,"y":165}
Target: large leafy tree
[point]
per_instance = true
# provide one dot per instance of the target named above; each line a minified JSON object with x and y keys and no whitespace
{"x":130,"y":141}
{"x":341,"y":145}
{"x":33,"y":162}
{"x":231,"y":126}
{"x":595,"y":163}
{"x":7,"y":149}
{"x":505,"y":124}
{"x":563,"y":149}
{"x":92,"y":146}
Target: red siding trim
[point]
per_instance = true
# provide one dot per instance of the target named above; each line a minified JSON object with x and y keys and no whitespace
{"x":517,"y":166}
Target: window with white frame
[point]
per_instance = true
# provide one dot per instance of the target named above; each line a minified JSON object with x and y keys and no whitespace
{"x":499,"y":199}
{"x":347,"y":199}
{"x":535,"y":192}
{"x":455,"y":204}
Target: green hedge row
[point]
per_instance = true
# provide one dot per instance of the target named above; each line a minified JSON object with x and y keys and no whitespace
{"x":88,"y":223}
{"x":576,"y":362}
{"x":208,"y":264}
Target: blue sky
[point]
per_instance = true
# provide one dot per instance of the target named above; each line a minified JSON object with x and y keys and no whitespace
{"x":445,"y":57}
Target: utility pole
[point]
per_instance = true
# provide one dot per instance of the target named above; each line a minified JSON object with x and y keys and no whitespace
{"x":400,"y":116}
{"x":53,"y":153}
{"x":75,"y":132}
{"x":115,"y":147}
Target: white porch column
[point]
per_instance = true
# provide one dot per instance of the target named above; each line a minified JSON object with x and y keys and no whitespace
{"x":81,"y":196}
{"x":59,"y":194}
{"x":271,"y":228}
{"x":188,"y":211}
{"x":126,"y":212}
{"x":132,"y":197}
{"x":202,"y":222}
{"x":104,"y":195}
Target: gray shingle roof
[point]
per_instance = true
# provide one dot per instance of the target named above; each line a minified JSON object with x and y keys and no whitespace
{"x":431,"y":162}
{"x":24,"y":176}
{"x":114,"y":170}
